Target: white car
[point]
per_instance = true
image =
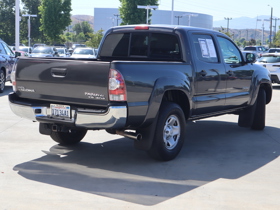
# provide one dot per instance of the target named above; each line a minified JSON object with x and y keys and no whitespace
{"x":83,"y":53}
{"x":63,"y":52}
{"x":271,"y":61}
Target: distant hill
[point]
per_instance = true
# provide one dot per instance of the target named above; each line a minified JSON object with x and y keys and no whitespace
{"x":247,"y":34}
{"x":80,"y":18}
{"x":245,"y":23}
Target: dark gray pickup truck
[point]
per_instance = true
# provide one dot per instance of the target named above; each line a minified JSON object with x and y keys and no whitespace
{"x":146,"y":82}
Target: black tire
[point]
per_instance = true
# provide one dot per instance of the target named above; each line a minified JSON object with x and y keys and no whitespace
{"x":2,"y":80}
{"x":68,"y":138}
{"x":169,"y":133}
{"x":259,"y":116}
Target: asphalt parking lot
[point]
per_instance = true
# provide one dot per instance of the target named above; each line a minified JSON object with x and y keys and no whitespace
{"x":221,"y":166}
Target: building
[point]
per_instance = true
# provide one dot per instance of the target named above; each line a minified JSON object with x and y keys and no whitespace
{"x":104,"y":18}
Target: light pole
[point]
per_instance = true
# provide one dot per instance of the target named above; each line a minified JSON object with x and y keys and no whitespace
{"x":270,"y":31}
{"x":190,"y":15}
{"x":172,"y":12}
{"x":275,"y":25}
{"x":262,"y":28}
{"x":17,"y":26}
{"x":117,"y":15}
{"x":179,"y":16}
{"x":228,"y":19}
{"x":29,"y":26}
{"x":147,"y":8}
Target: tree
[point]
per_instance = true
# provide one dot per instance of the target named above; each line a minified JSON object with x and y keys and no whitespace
{"x":222,"y":30}
{"x":55,"y":17}
{"x":277,"y":39}
{"x":7,"y":21}
{"x":130,"y":14}
{"x":94,"y":39}
{"x":81,"y":37}
{"x":252,"y":42}
{"x":83,"y":27}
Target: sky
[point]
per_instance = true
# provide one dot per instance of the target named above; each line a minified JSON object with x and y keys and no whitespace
{"x":219,"y":9}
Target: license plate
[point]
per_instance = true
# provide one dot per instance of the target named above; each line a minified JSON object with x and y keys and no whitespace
{"x":60,"y":111}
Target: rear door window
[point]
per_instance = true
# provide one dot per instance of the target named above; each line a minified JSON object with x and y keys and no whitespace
{"x":205,"y":48}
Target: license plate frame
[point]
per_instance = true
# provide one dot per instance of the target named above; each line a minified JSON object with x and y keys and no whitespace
{"x":60,"y":111}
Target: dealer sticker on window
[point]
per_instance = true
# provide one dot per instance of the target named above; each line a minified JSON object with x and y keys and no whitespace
{"x":60,"y":111}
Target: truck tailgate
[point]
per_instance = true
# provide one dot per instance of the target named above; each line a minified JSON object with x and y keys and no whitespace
{"x":82,"y":82}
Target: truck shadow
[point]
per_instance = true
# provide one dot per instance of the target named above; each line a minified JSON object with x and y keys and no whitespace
{"x":114,"y":169}
{"x":8,"y":89}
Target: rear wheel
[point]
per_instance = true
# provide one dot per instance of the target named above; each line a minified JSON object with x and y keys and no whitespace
{"x":259,"y":116}
{"x":2,"y":81}
{"x":169,"y":134}
{"x":68,"y":138}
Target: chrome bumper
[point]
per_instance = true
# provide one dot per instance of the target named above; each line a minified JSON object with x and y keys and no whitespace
{"x":114,"y":118}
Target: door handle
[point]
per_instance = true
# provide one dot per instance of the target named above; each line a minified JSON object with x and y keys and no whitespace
{"x":203,"y":73}
{"x":230,"y":73}
{"x":58,"y":72}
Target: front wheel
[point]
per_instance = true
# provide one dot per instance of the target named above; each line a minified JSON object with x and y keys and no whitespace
{"x":2,"y":81}
{"x":71,"y":137}
{"x":169,"y":134}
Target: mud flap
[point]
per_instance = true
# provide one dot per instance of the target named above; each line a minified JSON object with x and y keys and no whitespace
{"x":246,"y":116}
{"x":148,"y":134}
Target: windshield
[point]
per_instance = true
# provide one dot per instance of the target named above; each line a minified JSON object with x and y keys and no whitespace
{"x":43,"y":50}
{"x":270,"y":59}
{"x":60,"y":51}
{"x":25,"y":49}
{"x":273,"y":50}
{"x":81,"y":51}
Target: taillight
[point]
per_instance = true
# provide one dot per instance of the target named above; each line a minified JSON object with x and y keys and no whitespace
{"x":116,"y":86}
{"x":13,"y":77}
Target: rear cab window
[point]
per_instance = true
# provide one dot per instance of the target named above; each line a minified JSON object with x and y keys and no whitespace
{"x":148,"y":45}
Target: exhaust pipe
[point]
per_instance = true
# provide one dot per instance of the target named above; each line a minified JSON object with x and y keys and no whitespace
{"x":131,"y":135}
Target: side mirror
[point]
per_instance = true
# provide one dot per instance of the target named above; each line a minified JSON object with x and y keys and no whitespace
{"x":17,"y":54}
{"x":250,"y":57}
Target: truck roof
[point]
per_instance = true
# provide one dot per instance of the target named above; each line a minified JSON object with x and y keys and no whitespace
{"x":159,"y":27}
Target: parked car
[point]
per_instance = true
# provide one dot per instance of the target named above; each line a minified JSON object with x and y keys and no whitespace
{"x":258,"y":49}
{"x":274,"y":50}
{"x":271,"y":61}
{"x":39,"y":45}
{"x":26,"y":49}
{"x":74,"y":46}
{"x":21,"y":53}
{"x":63,"y":52}
{"x":60,"y":46}
{"x":7,"y":60}
{"x":44,"y":52}
{"x":83,"y":53}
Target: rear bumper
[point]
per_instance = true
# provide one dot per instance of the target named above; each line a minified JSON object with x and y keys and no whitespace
{"x":115,"y":117}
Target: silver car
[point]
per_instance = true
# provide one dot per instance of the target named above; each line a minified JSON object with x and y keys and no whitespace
{"x":44,"y":52}
{"x":63,"y":52}
{"x":86,"y":52}
{"x":271,"y":61}
{"x":258,"y":49}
